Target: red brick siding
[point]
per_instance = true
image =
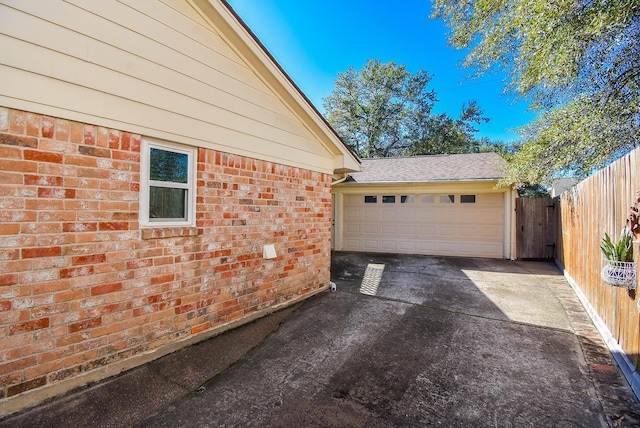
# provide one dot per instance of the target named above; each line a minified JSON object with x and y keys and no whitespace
{"x":82,"y":286}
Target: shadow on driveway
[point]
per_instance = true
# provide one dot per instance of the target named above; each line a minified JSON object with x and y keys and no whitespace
{"x":424,"y":341}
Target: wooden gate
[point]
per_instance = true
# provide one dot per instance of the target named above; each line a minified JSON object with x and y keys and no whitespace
{"x":536,"y":228}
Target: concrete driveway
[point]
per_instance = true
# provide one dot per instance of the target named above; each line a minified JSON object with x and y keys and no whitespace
{"x":404,"y":341}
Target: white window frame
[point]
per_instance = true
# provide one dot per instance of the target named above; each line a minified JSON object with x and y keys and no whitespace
{"x":146,"y":183}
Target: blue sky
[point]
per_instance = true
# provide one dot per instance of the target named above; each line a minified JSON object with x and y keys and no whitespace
{"x":314,"y":41}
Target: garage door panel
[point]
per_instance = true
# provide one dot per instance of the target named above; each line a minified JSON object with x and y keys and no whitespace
{"x":370,"y":215}
{"x":473,"y":232}
{"x":428,"y":231}
{"x":426,"y":247}
{"x":406,"y":229}
{"x":388,"y":245}
{"x":449,"y":233}
{"x":353,"y":229}
{"x":370,"y":229}
{"x":476,"y":216}
{"x":452,"y":248}
{"x":467,"y":217}
{"x":370,"y":244}
{"x":488,"y":199}
{"x":486,"y":213}
{"x":446,"y":215}
{"x":387,"y":214}
{"x":406,"y":246}
{"x":482,"y":234}
{"x":354,"y":244}
{"x":426,"y":224}
{"x":352,"y":199}
{"x":353,"y":213}
{"x":388,"y":229}
{"x":409,"y":214}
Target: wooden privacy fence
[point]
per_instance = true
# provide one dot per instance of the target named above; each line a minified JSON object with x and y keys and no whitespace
{"x":597,"y":205}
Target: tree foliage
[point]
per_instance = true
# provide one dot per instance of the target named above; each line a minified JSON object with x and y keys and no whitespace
{"x":578,"y":62}
{"x":384,"y":110}
{"x":370,"y":108}
{"x":526,"y":190}
{"x":440,"y":133}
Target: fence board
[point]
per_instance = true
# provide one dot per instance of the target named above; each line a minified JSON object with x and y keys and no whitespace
{"x":597,"y":205}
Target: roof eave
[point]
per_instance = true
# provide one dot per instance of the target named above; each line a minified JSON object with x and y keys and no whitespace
{"x":414,"y":182}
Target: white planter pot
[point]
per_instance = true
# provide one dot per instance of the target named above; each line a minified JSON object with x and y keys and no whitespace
{"x":620,"y":274}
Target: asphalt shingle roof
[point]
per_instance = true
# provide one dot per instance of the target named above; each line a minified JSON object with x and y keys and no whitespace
{"x":460,"y":167}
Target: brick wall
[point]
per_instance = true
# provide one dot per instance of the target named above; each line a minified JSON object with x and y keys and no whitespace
{"x":82,"y":286}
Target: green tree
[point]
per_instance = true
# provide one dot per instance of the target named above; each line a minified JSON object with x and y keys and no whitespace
{"x":384,"y":110}
{"x":369,"y":108}
{"x":526,"y":190}
{"x":578,"y":62}
{"x":438,"y":134}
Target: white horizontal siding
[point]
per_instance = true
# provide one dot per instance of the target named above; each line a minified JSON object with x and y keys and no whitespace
{"x":198,"y":133}
{"x":150,"y":67}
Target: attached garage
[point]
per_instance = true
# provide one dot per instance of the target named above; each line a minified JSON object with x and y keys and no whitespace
{"x":437,"y":205}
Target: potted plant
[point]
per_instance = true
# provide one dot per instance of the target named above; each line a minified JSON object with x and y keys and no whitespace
{"x":620,"y":269}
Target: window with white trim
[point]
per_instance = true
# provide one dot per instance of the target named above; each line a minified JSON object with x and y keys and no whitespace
{"x":167,"y":184}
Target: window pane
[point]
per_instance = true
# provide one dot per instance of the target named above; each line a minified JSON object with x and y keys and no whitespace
{"x":167,"y":203}
{"x":388,"y":199}
{"x":370,"y":199}
{"x":426,"y":199}
{"x":168,"y":166}
{"x":447,"y":199}
{"x":467,"y":199}
{"x":406,"y":199}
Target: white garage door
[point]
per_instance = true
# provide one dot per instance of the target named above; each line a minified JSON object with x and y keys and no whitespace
{"x":439,"y":224}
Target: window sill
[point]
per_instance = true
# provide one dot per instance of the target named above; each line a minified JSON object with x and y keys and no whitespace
{"x":167,"y":232}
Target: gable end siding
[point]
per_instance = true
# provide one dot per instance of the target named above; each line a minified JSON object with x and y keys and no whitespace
{"x":155,"y":68}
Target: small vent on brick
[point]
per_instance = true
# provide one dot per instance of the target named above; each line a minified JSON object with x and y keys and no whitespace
{"x":269,"y":252}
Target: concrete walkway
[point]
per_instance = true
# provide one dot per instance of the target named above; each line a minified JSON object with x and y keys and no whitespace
{"x":404,"y":341}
